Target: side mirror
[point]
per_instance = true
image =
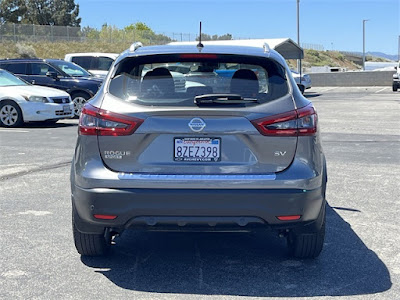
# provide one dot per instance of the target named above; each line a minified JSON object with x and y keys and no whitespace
{"x":53,"y":75}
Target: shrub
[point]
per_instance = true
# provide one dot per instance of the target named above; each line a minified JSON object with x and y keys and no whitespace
{"x":26,"y":51}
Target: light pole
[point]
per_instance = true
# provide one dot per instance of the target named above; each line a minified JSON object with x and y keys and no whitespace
{"x":298,"y":37}
{"x":364,"y":44}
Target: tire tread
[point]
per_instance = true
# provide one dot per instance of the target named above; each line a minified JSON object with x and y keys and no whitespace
{"x":307,"y":245}
{"x":90,"y":244}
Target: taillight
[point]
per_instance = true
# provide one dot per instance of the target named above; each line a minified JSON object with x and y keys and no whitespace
{"x":299,"y":122}
{"x":96,"y":121}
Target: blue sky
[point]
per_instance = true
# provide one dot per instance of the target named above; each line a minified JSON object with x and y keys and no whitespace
{"x":334,"y":24}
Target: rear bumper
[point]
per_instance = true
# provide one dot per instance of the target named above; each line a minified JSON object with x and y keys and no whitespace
{"x":199,"y":208}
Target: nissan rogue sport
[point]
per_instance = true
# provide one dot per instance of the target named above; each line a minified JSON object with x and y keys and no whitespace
{"x":230,"y":156}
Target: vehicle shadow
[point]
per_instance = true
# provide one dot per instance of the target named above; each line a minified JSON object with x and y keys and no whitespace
{"x":311,"y":94}
{"x":243,"y":264}
{"x":59,"y":124}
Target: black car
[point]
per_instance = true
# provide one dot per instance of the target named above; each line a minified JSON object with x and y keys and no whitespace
{"x":56,"y":73}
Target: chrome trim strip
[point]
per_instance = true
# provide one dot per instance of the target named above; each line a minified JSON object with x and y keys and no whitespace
{"x":171,"y":177}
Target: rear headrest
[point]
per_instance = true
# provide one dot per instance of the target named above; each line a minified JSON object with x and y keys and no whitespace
{"x":245,"y":83}
{"x":161,"y":78}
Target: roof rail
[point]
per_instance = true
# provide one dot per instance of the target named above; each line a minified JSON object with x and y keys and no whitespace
{"x":135,"y":46}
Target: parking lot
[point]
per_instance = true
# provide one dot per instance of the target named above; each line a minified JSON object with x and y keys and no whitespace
{"x":360,"y":130}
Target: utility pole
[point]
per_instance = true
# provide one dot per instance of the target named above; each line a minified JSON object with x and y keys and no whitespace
{"x":298,"y":37}
{"x":398,"y":50}
{"x":364,"y":44}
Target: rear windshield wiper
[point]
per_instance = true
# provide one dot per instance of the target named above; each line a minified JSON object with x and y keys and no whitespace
{"x":223,"y":99}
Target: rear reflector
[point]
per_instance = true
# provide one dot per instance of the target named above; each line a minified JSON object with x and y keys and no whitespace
{"x":299,"y":122}
{"x":105,"y":217}
{"x":289,"y":218}
{"x":96,"y":121}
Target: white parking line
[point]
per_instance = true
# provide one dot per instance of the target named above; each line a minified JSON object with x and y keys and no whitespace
{"x":381,"y":90}
{"x":12,"y":130}
{"x":330,"y":89}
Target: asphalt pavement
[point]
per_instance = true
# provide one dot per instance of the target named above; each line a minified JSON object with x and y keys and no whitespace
{"x":360,"y":129}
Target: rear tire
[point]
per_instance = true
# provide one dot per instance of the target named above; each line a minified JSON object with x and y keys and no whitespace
{"x":308,"y":243}
{"x":89,"y":244}
{"x":301,"y":88}
{"x":394,"y":87}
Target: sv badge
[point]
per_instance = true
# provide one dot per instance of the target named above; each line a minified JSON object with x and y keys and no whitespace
{"x":279,"y":153}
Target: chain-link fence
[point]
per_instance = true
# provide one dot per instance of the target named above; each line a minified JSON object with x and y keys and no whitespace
{"x":109,"y":34}
{"x":312,"y":46}
{"x":36,"y":33}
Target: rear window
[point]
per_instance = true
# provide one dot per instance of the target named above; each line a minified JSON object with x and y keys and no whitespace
{"x":93,"y":63}
{"x":83,"y":61}
{"x":103,"y":63}
{"x":184,"y":80}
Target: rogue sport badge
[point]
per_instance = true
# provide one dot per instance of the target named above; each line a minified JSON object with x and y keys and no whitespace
{"x":197,"y":124}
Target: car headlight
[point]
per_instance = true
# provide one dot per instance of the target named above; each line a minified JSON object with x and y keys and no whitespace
{"x":395,"y":76}
{"x":37,"y":99}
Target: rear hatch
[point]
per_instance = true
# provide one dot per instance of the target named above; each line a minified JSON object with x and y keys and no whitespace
{"x":223,"y":127}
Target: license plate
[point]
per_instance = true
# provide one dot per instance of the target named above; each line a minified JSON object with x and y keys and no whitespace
{"x":67,"y":109}
{"x":195,"y":149}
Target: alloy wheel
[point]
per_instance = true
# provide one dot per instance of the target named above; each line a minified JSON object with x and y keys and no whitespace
{"x":8,"y":115}
{"x":79,"y":102}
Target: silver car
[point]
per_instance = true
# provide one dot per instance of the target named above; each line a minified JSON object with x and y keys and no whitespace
{"x":242,"y":155}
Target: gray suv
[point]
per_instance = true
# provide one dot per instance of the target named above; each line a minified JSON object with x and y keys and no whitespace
{"x":234,"y":154}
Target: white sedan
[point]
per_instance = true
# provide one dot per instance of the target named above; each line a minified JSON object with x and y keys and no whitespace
{"x":305,"y":81}
{"x":22,"y":102}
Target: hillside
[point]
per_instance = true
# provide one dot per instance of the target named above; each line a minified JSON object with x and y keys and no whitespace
{"x":325,"y":58}
{"x":59,"y":49}
{"x":56,"y":49}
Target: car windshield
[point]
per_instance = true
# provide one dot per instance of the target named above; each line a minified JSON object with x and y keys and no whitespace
{"x":198,"y":79}
{"x":71,"y":69}
{"x":8,"y":79}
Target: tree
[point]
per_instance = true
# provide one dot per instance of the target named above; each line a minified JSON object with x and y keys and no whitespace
{"x":204,"y":37}
{"x":65,"y":13}
{"x":91,"y":33}
{"x":139,"y":26}
{"x":207,"y":37}
{"x":40,"y":12}
{"x":227,"y":36}
{"x":141,"y":32}
{"x":12,"y":11}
